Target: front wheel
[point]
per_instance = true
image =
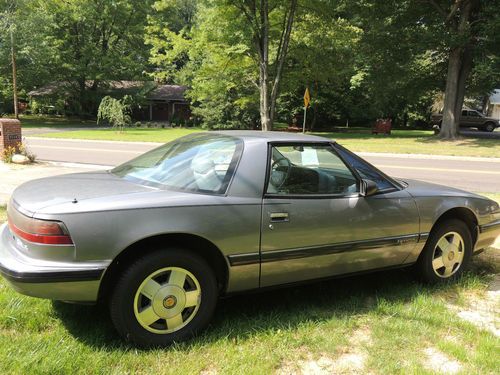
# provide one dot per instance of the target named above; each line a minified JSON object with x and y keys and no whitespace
{"x":167,"y":296}
{"x":447,"y":252}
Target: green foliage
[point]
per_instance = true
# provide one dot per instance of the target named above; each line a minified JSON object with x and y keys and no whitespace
{"x":7,"y":154}
{"x":73,"y":42}
{"x":21,"y":149}
{"x":361,"y":60}
{"x":115,"y":112}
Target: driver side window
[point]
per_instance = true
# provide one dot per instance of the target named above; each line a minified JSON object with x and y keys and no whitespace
{"x":309,"y":170}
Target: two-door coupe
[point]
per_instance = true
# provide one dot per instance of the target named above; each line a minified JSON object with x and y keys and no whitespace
{"x":162,"y":236}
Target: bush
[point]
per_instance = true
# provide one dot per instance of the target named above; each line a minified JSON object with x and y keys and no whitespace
{"x":8,"y":153}
{"x":116,"y":112}
{"x":20,"y":148}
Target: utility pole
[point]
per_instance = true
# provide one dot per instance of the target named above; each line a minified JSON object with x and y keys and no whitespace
{"x":14,"y":71}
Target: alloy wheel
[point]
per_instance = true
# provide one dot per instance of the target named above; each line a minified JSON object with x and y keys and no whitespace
{"x":167,"y":300}
{"x":448,"y":255}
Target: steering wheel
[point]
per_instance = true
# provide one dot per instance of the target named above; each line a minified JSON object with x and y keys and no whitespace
{"x":280,"y":170}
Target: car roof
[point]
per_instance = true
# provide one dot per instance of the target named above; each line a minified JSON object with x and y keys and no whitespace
{"x":272,"y":136}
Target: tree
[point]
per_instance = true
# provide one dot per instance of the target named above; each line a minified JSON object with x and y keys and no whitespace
{"x":169,"y":34}
{"x":116,"y":112}
{"x":8,"y":24}
{"x":257,"y":15}
{"x":98,"y":41}
{"x":459,"y":17}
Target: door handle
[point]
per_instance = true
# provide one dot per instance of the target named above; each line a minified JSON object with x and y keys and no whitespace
{"x":278,"y":217}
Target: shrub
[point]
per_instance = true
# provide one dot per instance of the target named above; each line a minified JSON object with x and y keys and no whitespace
{"x":115,"y":111}
{"x":24,"y":150}
{"x":20,"y":148}
{"x":8,"y":153}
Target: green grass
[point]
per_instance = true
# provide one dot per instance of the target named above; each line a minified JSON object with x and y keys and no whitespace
{"x":261,"y":333}
{"x":494,"y":196}
{"x":35,"y":121}
{"x":415,"y":142}
{"x":130,"y":134}
{"x":360,"y":140}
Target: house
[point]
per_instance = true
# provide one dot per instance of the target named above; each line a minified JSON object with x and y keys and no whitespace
{"x":165,"y":103}
{"x":493,"y":105}
{"x":158,"y":102}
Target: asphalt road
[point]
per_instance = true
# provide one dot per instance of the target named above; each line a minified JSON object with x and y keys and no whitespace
{"x":479,"y":175}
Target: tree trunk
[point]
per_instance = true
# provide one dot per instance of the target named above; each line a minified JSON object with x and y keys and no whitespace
{"x":82,"y":94}
{"x":263,"y":44}
{"x":14,"y":72}
{"x":465,"y":70}
{"x":459,"y":67}
{"x":257,"y":14}
{"x":449,"y":128}
{"x":280,"y":59}
{"x":265,"y":120}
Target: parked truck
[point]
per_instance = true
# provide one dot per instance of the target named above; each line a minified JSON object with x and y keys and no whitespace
{"x":470,"y":119}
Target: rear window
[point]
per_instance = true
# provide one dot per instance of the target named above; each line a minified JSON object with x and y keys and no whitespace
{"x":197,"y":163}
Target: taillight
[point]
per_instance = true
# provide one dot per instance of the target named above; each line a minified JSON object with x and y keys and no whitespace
{"x":40,"y":231}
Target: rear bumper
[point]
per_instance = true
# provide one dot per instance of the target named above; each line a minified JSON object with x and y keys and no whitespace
{"x":76,"y":281}
{"x":487,"y":235}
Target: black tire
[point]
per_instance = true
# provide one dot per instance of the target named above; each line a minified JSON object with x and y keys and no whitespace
{"x":425,"y":262}
{"x":122,"y":301}
{"x":489,"y":127}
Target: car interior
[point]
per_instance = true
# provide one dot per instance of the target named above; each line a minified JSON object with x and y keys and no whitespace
{"x":287,"y":177}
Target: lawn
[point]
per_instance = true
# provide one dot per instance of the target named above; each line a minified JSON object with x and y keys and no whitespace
{"x":384,"y":322}
{"x":416,"y":142}
{"x":35,"y":121}
{"x":400,"y":141}
{"x":130,"y":134}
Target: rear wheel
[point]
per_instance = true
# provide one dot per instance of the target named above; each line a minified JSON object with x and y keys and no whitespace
{"x":489,"y":127}
{"x":167,"y":296}
{"x":447,"y":252}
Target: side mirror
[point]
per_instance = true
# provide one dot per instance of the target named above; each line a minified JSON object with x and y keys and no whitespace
{"x":368,"y":187}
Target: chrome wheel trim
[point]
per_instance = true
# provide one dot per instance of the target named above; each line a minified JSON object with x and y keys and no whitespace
{"x":448,"y":255}
{"x":167,"y":300}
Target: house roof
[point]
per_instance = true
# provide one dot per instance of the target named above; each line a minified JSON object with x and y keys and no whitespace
{"x":167,"y":92}
{"x":495,"y":97}
{"x":155,"y":91}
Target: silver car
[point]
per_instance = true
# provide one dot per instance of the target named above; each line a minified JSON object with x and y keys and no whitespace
{"x":162,"y":236}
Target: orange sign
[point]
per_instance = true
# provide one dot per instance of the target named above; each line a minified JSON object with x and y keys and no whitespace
{"x":307,"y":98}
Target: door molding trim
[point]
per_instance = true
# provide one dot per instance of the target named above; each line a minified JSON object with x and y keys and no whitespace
{"x":306,"y":252}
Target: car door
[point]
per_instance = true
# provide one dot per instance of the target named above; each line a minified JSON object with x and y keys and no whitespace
{"x":475,"y":119}
{"x":315,"y":222}
{"x":464,"y":118}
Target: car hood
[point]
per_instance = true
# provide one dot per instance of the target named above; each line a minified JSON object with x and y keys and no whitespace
{"x":35,"y":195}
{"x":426,"y":189}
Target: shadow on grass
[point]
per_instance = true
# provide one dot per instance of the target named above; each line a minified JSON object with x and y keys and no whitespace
{"x":366,"y":134}
{"x":242,"y":317}
{"x":421,"y":136}
{"x":33,"y":121}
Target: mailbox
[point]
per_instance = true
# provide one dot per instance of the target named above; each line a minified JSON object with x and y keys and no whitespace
{"x":10,"y":134}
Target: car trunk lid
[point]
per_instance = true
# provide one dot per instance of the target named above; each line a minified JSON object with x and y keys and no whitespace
{"x":34,"y":195}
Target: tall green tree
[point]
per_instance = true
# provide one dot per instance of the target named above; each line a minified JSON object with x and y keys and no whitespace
{"x":99,"y":40}
{"x":33,"y":53}
{"x":458,"y":18}
{"x":259,"y":17}
{"x":226,"y":34}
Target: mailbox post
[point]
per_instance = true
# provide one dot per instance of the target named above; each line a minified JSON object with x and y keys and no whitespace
{"x":10,"y":134}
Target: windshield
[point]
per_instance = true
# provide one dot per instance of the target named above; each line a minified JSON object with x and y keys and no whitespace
{"x":202,"y":163}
